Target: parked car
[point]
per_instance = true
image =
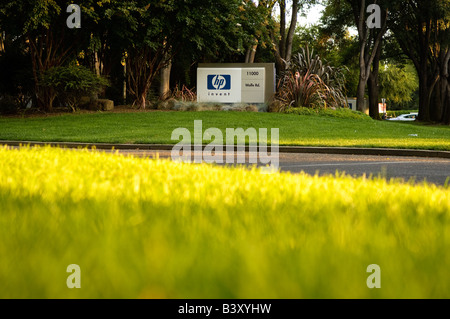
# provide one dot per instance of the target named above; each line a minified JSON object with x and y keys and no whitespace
{"x":405,"y":117}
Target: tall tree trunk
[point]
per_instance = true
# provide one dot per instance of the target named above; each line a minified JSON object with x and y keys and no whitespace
{"x":2,"y":41}
{"x":424,"y":78}
{"x":283,"y":46}
{"x":424,"y":94}
{"x":360,"y":95}
{"x":142,"y":100}
{"x":440,"y":92}
{"x":373,"y":96}
{"x":291,"y":32}
{"x":370,"y":42}
{"x":247,"y":55}
{"x":251,"y":53}
{"x":164,"y":87}
{"x":446,"y":108}
{"x":446,"y":102}
{"x":374,"y":87}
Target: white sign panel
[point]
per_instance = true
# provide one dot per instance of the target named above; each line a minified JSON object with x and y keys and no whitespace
{"x":231,"y":85}
{"x":252,"y":86}
{"x":219,"y":85}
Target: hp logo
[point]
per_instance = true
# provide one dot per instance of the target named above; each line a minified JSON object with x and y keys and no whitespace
{"x":219,"y":82}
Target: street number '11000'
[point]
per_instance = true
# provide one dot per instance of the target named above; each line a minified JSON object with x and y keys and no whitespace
{"x":253,"y":73}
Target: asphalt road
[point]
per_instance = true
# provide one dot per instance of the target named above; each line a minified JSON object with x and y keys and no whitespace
{"x":418,"y":169}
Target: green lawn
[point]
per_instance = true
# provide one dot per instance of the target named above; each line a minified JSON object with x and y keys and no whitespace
{"x":157,"y":127}
{"x":158,"y":229}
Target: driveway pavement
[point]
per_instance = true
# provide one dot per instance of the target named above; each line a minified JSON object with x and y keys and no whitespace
{"x":433,"y":170}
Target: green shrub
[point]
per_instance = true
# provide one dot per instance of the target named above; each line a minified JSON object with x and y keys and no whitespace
{"x":73,"y":82}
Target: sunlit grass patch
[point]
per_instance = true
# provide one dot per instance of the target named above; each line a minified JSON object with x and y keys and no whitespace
{"x":142,"y":228}
{"x":342,"y":128}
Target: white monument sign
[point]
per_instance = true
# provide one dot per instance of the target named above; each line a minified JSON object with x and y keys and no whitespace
{"x":231,"y":84}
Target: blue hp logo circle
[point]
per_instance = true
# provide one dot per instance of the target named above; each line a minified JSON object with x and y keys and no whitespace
{"x":219,"y":82}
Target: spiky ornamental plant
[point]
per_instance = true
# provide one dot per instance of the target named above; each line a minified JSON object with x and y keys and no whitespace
{"x":311,"y":82}
{"x":296,"y":90}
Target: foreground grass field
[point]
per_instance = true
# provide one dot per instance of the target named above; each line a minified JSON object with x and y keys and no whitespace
{"x":157,"y":229}
{"x":346,"y":130}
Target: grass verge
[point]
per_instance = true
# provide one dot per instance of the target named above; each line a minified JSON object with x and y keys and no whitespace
{"x":157,"y":127}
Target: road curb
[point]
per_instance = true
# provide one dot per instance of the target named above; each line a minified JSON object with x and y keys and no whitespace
{"x":282,"y":149}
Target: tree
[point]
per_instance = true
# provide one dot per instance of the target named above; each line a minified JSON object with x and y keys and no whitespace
{"x":370,"y":40}
{"x":422,"y":28}
{"x":283,"y":39}
{"x":339,"y":15}
{"x":255,"y":23}
{"x":42,"y":26}
{"x":398,"y":83}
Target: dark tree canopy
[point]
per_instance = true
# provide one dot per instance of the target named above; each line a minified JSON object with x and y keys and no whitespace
{"x":135,"y":43}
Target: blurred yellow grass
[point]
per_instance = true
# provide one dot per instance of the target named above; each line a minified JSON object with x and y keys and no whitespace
{"x":160,"y":229}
